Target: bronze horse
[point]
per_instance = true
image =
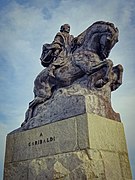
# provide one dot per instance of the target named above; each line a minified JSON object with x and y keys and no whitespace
{"x":88,"y":58}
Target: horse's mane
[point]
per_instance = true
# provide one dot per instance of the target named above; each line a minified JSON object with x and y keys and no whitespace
{"x":106,"y":26}
{"x":102,"y":26}
{"x":98,"y":27}
{"x":104,"y":23}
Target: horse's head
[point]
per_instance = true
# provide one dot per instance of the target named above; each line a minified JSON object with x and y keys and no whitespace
{"x":107,"y":41}
{"x":99,"y":38}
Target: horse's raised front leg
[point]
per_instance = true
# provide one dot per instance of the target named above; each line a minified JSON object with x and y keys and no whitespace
{"x":103,"y":73}
{"x":92,"y":68}
{"x":117,"y":77}
{"x":119,"y":71}
{"x":109,"y":65}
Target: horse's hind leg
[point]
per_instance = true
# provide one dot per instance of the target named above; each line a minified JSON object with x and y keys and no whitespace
{"x":42,"y":92}
{"x":109,"y":65}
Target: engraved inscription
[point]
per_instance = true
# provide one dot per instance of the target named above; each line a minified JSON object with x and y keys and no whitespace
{"x":41,"y":140}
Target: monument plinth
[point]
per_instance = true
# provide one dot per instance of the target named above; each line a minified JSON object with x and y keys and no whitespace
{"x":86,"y":146}
{"x":70,"y":129}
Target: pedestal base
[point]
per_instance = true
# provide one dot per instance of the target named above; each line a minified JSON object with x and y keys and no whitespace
{"x":82,"y":147}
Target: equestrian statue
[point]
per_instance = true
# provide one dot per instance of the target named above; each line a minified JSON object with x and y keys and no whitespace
{"x":69,"y":60}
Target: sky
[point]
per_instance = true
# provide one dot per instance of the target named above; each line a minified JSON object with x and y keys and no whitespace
{"x":25,"y":25}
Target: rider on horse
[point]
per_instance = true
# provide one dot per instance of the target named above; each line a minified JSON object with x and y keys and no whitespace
{"x":54,"y":53}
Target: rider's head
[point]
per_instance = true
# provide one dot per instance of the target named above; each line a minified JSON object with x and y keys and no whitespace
{"x":65,"y":28}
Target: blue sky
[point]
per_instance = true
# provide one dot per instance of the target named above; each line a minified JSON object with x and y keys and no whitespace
{"x":25,"y":25}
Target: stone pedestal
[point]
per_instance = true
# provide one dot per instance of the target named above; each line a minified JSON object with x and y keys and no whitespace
{"x":86,"y":146}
